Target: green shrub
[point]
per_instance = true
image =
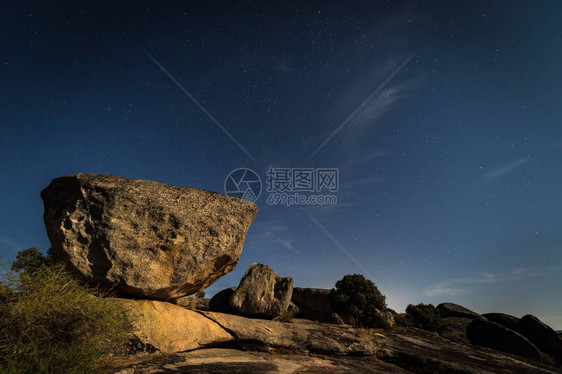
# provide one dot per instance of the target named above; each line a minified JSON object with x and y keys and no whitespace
{"x":200,"y":294}
{"x":424,"y":316}
{"x":402,"y":320}
{"x":359,"y":298}
{"x":53,"y":324}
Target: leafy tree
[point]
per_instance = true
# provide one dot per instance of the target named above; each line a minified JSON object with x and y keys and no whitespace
{"x":28,"y":261}
{"x":425,"y":316}
{"x":200,"y":294}
{"x":359,"y":298}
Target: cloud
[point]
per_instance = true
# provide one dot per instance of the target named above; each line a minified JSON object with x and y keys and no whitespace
{"x":274,"y":234}
{"x":458,"y":286}
{"x":386,"y":100}
{"x":500,"y":172}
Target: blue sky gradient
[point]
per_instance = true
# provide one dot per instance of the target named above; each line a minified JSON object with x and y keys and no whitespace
{"x":450,"y":176}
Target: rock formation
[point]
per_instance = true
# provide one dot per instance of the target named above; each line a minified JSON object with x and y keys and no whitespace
{"x":262,"y":293}
{"x":314,"y":304}
{"x":458,"y":311}
{"x":503,"y":319}
{"x":221,"y":301}
{"x":300,"y":335}
{"x":149,"y":240}
{"x":169,"y":328}
{"x":495,"y":336}
{"x":545,"y":338}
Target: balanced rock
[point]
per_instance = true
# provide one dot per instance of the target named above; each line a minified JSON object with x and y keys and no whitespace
{"x":170,"y":328}
{"x":506,"y":320}
{"x":314,"y":304}
{"x":262,"y":293}
{"x":147,"y":239}
{"x":495,"y":336}
{"x":455,"y":310}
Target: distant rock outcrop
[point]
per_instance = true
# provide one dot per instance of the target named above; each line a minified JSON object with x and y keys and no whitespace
{"x":454,"y":310}
{"x":506,"y":320}
{"x":495,"y":336}
{"x":545,"y":338}
{"x":147,"y":239}
{"x":314,"y":304}
{"x":262,"y":293}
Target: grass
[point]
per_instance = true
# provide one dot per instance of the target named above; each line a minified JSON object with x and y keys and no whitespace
{"x":50,"y":323}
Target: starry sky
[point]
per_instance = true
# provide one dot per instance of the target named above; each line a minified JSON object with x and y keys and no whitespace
{"x":443,"y":118}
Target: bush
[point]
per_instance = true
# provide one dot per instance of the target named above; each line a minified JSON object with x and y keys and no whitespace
{"x":200,"y":294}
{"x":424,"y":316}
{"x":402,"y":320}
{"x":359,"y":298}
{"x":53,"y":324}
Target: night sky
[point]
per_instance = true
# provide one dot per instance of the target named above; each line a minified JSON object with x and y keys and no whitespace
{"x":449,"y":162}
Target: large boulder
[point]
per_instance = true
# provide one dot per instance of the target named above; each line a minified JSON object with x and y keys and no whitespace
{"x":314,"y":304}
{"x":169,"y":328}
{"x":506,"y":320}
{"x":454,"y":310}
{"x":262,"y":293}
{"x":545,"y":338}
{"x":495,"y":336}
{"x":147,"y":239}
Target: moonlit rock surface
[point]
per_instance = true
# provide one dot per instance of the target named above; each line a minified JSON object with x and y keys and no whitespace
{"x":148,"y":239}
{"x":262,"y":293}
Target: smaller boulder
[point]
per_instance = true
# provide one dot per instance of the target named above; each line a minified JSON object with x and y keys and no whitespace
{"x":314,"y":304}
{"x":383,"y":319}
{"x":262,"y":293}
{"x":454,"y":310}
{"x":495,"y":336}
{"x":506,"y":320}
{"x":221,"y":301}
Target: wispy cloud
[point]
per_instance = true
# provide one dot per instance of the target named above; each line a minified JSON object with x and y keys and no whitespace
{"x":380,"y":92}
{"x":501,"y":171}
{"x":272,"y":234}
{"x":459,"y":286}
{"x":387,"y":99}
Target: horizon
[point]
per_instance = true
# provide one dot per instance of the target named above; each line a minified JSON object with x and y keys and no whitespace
{"x":442,"y":121}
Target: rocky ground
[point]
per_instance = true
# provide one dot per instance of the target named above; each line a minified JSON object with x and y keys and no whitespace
{"x":302,"y":346}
